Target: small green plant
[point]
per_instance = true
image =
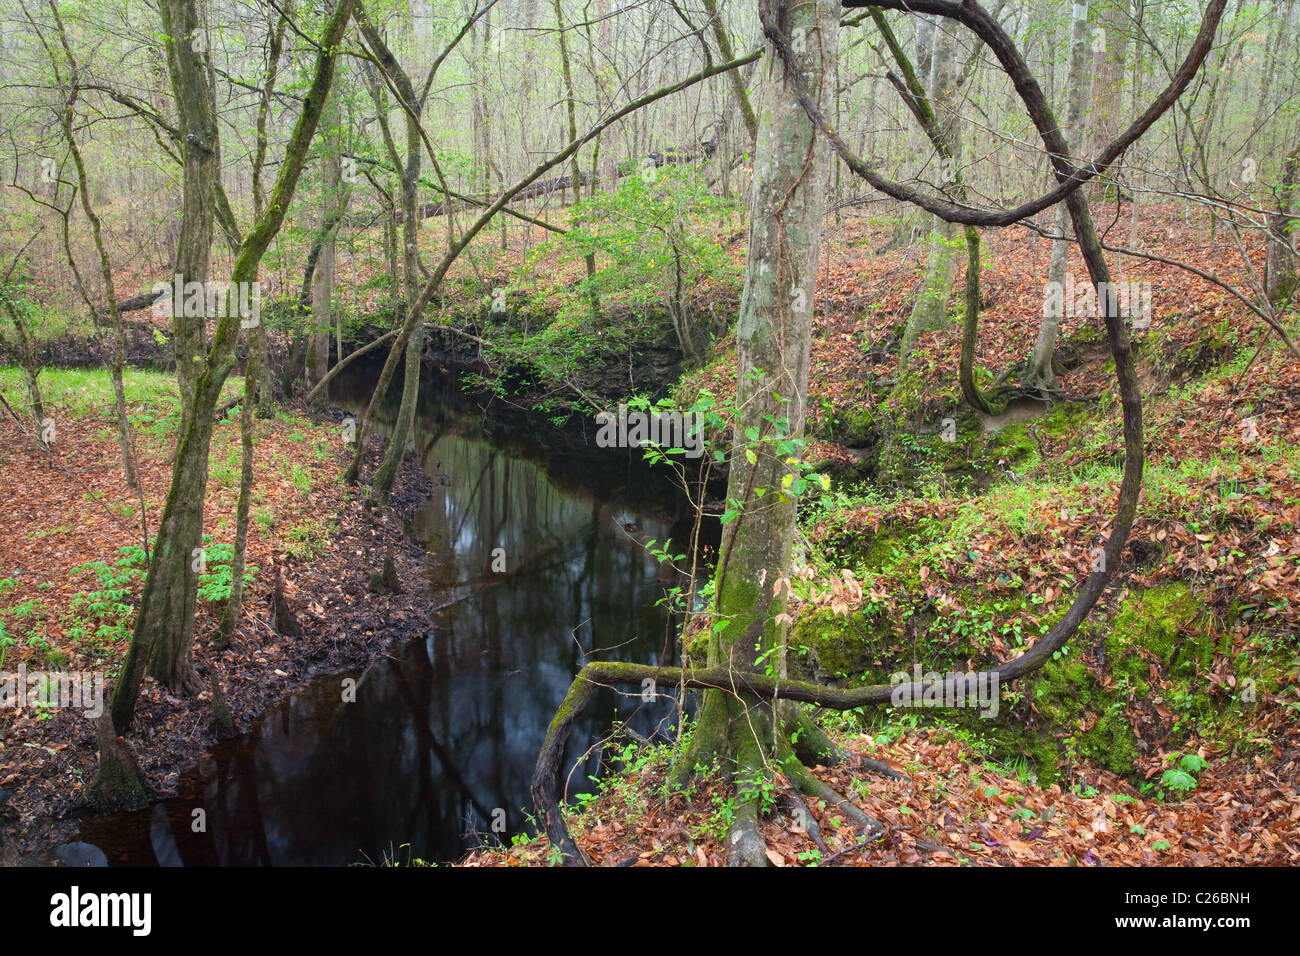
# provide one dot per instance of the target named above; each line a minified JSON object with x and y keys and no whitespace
{"x":103,"y":612}
{"x":1182,"y":777}
{"x":264,"y":518}
{"x":218,"y":575}
{"x":6,"y":642}
{"x":306,"y":539}
{"x":1085,"y":790}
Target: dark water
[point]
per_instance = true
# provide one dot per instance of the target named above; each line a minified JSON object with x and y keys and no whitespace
{"x":441,"y":740}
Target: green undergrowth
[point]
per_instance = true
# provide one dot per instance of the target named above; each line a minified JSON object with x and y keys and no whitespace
{"x":83,"y":613}
{"x":1087,"y":704}
{"x":1140,"y":676}
{"x":152,"y":399}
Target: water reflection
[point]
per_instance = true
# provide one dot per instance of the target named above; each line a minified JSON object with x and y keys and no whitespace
{"x":440,"y":742}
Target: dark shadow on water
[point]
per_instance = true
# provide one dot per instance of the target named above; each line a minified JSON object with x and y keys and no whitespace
{"x":436,"y":752}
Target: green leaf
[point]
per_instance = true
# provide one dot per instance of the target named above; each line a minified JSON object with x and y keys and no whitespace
{"x":1193,"y":764}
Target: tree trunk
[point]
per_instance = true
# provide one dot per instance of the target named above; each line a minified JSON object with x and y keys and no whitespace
{"x":189,"y":77}
{"x":575,"y":166}
{"x":930,"y":311}
{"x":118,"y":354}
{"x":230,"y":616}
{"x":918,"y":101}
{"x":723,"y":39}
{"x":322,"y":283}
{"x":787,"y":203}
{"x":34,"y":397}
{"x":26,"y":355}
{"x":395,"y":451}
{"x":322,"y":296}
{"x":164,"y":630}
{"x":1041,"y":372}
{"x":119,"y":783}
{"x":1110,"y":50}
{"x":1280,"y":266}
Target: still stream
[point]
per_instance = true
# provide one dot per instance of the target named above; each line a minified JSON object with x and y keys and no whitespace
{"x":440,"y":743}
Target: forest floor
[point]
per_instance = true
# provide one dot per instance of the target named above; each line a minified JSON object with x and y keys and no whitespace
{"x":953,"y":807}
{"x":1166,"y":734}
{"x":71,"y":568}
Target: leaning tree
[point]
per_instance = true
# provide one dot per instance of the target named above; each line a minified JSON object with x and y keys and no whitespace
{"x":162,"y":642}
{"x":749,"y":719}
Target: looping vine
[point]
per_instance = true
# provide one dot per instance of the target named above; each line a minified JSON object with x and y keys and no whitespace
{"x":754,"y":685}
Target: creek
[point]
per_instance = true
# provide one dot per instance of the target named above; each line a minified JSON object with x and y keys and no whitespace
{"x":540,"y":557}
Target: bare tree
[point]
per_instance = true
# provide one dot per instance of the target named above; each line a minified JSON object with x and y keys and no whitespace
{"x":1041,"y":373}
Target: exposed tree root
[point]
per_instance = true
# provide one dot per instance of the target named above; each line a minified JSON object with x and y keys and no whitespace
{"x":119,"y":783}
{"x":739,"y":729}
{"x":802,"y":817}
{"x":880,"y":767}
{"x":745,"y":843}
{"x":990,"y":403}
{"x":811,"y":745}
{"x":810,"y":785}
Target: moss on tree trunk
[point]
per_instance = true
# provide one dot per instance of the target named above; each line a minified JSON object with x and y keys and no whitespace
{"x":787,"y":203}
